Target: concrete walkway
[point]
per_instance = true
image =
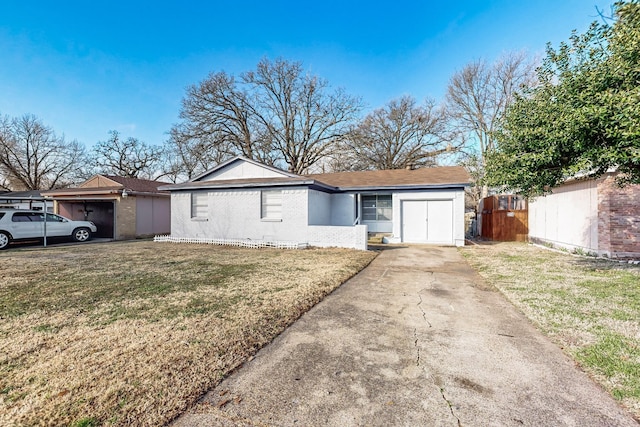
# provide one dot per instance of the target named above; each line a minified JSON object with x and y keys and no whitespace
{"x":416,"y":339}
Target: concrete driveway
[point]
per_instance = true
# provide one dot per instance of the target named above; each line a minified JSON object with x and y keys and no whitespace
{"x":416,"y":339}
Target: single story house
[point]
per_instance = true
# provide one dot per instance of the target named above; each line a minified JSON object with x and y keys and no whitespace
{"x":246,"y":200}
{"x":594,"y":216}
{"x":122,"y":208}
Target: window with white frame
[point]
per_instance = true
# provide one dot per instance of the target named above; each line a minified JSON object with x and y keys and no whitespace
{"x":271,"y":204}
{"x":377,"y":207}
{"x":199,"y":205}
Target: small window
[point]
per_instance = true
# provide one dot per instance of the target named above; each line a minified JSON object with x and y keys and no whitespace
{"x":518,"y":203}
{"x":511,"y":203}
{"x":377,"y":208}
{"x":271,"y":204}
{"x":199,"y":205}
{"x":503,"y":203}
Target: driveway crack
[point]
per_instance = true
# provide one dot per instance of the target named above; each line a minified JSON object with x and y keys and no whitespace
{"x":424,"y":313}
{"x":450,"y":407}
{"x":415,"y":343}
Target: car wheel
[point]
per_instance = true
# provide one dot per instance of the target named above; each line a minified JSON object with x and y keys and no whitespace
{"x":81,"y":234}
{"x":4,"y":240}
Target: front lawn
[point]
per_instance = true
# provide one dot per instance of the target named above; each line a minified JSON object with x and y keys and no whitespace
{"x":132,"y":333}
{"x":590,"y":307}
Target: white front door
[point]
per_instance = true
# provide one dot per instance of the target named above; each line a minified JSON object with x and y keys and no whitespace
{"x":427,"y":221}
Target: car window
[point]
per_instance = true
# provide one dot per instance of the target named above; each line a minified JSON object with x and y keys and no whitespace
{"x":1,"y":215}
{"x":27,"y":217}
{"x":21,"y":217}
{"x":54,"y":218}
{"x":36,"y":217}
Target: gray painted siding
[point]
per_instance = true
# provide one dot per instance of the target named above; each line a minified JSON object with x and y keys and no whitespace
{"x":319,"y":208}
{"x":343,"y":209}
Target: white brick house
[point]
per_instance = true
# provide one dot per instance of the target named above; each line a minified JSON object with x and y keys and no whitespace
{"x":243,"y":199}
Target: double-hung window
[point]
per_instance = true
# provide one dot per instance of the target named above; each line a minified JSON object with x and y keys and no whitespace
{"x":199,"y":205}
{"x":271,"y":205}
{"x":377,"y":207}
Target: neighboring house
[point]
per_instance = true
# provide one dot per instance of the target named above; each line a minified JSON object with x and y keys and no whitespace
{"x":121,"y":208}
{"x":594,"y":216}
{"x":243,"y":199}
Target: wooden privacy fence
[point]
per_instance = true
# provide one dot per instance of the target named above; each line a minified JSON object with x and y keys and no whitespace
{"x":504,"y":218}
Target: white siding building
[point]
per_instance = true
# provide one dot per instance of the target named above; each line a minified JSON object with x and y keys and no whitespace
{"x":594,"y":216}
{"x":245,"y":200}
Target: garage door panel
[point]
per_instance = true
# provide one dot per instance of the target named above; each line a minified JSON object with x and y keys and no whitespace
{"x":440,"y":221}
{"x":414,"y":221}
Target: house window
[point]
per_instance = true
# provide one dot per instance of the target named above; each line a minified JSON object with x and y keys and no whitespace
{"x":199,"y":205}
{"x":271,"y":204}
{"x":377,"y":208}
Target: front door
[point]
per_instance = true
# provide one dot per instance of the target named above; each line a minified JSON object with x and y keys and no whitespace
{"x":427,"y":221}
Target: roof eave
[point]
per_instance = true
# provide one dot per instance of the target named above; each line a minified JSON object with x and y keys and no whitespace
{"x":404,"y":187}
{"x":312,"y":184}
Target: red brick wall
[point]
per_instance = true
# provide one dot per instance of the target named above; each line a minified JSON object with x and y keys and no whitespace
{"x":618,"y":218}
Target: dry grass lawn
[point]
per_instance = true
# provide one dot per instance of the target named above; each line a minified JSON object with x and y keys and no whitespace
{"x":133,"y":333}
{"x":590,"y":307}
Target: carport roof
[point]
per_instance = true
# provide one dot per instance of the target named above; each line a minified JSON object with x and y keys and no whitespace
{"x":110,"y":184}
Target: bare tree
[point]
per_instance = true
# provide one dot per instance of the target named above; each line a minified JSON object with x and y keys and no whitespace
{"x":401,"y":134}
{"x":184,"y":156}
{"x":32,"y":157}
{"x":275,"y":113}
{"x":128,"y":157}
{"x":478,"y":96}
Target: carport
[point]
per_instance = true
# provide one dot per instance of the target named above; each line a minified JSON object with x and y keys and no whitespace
{"x":27,"y":200}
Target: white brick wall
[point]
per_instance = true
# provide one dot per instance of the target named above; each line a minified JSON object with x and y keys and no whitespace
{"x":236,"y":215}
{"x":339,"y":236}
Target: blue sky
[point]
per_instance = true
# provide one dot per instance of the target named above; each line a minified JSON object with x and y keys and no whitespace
{"x":85,"y":68}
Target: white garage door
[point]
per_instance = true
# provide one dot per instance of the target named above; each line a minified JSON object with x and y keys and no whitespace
{"x":427,"y":221}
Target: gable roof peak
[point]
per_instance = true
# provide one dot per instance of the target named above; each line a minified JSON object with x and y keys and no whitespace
{"x":243,"y":159}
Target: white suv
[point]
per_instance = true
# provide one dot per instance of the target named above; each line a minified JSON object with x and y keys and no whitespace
{"x":18,"y":224}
